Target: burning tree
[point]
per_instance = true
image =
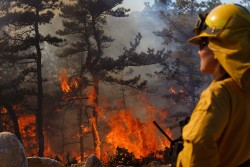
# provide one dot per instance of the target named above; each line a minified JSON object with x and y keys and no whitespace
{"x":22,"y":46}
{"x":84,"y":23}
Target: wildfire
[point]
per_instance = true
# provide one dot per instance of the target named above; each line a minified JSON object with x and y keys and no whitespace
{"x":66,"y":85}
{"x":91,"y":97}
{"x":64,"y":81}
{"x":28,"y":132}
{"x":130,"y":133}
{"x":97,"y":139}
{"x":137,"y":132}
{"x":132,"y":129}
{"x":25,"y":122}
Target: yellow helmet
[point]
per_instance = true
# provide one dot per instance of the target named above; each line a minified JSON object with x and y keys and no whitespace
{"x":223,"y":17}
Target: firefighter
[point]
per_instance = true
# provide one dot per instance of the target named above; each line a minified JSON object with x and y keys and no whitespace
{"x":218,"y":133}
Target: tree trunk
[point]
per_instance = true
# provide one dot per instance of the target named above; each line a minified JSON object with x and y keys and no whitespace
{"x":97,"y":142}
{"x":80,"y":123}
{"x":95,"y":133}
{"x":39,"y":118}
{"x":62,"y":132}
{"x":14,"y":120}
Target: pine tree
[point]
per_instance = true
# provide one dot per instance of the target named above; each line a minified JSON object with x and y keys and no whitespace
{"x":20,"y":25}
{"x":184,"y":69}
{"x":83,"y":22}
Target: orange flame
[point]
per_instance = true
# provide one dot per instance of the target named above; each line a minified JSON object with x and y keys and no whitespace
{"x":128,"y":132}
{"x":91,"y":97}
{"x":64,"y":81}
{"x":28,"y":133}
{"x":85,"y":129}
{"x":138,"y":135}
{"x":97,"y":139}
{"x":129,"y":129}
{"x":66,"y":85}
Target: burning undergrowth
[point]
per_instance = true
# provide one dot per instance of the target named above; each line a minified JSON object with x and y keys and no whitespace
{"x":135,"y":132}
{"x":127,"y":134}
{"x":124,"y":124}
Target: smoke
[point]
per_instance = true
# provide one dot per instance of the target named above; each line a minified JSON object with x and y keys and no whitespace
{"x":123,"y":30}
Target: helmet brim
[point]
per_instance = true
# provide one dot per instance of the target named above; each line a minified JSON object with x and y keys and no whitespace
{"x":195,"y":40}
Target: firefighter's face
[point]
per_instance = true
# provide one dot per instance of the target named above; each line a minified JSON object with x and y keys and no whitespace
{"x":208,"y":62}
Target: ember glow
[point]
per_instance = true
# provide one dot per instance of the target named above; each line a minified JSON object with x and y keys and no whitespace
{"x":4,"y":110}
{"x":28,"y":132}
{"x":173,"y":91}
{"x":4,"y":117}
{"x":85,"y":129}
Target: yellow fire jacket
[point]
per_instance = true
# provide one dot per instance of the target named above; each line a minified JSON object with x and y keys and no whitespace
{"x":218,"y":133}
